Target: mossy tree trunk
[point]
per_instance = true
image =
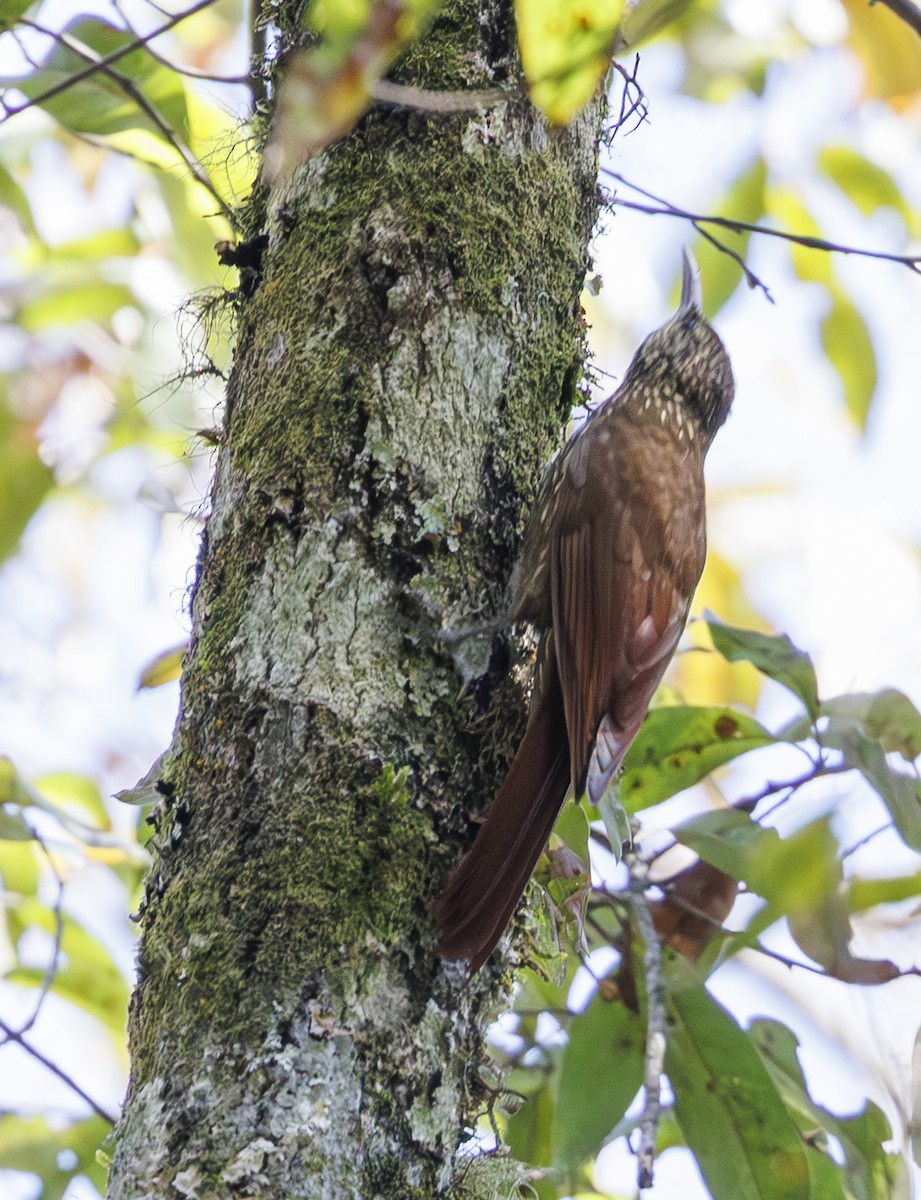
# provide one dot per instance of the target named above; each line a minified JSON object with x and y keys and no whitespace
{"x":403,"y":371}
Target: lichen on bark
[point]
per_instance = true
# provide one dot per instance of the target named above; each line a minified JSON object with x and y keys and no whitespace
{"x":402,"y":373}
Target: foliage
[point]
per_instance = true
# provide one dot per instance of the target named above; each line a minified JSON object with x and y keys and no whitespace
{"x":110,"y":107}
{"x":741,"y":1104}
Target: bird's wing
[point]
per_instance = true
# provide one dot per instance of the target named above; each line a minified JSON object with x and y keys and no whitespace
{"x":620,"y":593}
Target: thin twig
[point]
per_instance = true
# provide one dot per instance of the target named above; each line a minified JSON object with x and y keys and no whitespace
{"x":107,"y":61}
{"x":176,"y":68}
{"x":790,"y":962}
{"x":666,"y":208}
{"x":632,"y":101}
{"x":654,"y":1058}
{"x":905,"y":11}
{"x":134,"y":92}
{"x":52,"y":967}
{"x":750,"y":277}
{"x":13,"y":1036}
{"x":793,"y":786}
{"x":865,"y":840}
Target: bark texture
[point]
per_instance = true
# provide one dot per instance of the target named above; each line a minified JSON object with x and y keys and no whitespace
{"x":402,"y":373}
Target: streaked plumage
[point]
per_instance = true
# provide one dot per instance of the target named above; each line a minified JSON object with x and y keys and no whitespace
{"x":609,"y":563}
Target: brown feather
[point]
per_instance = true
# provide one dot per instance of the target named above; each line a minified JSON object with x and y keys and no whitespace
{"x":611,"y":557}
{"x":482,"y":892}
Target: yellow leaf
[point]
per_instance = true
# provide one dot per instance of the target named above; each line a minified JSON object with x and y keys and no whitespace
{"x":701,"y":676}
{"x":850,"y":351}
{"x":164,"y":668}
{"x":566,"y":48}
{"x":889,"y":51}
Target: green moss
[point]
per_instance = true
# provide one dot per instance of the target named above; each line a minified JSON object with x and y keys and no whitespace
{"x":442,"y":60}
{"x":311,"y":874}
{"x":484,"y":219}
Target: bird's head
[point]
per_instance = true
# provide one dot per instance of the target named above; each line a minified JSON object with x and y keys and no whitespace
{"x":685,"y":364}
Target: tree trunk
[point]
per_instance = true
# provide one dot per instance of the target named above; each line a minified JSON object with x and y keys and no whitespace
{"x":402,"y":372}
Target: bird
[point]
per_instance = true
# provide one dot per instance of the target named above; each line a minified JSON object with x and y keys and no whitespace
{"x":610,"y":559}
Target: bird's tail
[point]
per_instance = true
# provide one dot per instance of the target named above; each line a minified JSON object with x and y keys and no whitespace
{"x":482,"y":892}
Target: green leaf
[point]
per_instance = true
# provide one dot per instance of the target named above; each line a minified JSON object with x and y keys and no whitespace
{"x":616,"y":819}
{"x":591,"y":1099}
{"x":528,"y":1130}
{"x":646,"y":18}
{"x":24,"y":478}
{"x":888,"y":716}
{"x":679,"y":745}
{"x":166,"y":667}
{"x":102,"y":103}
{"x":14,"y":827}
{"x":867,"y":893}
{"x":744,"y":201}
{"x":572,"y":829}
{"x":773,"y":654}
{"x":811,"y":264}
{"x":12,"y":11}
{"x":870,"y":1172}
{"x":865,"y":184}
{"x":66,"y":301}
{"x":565,"y":51}
{"x":740,"y":1131}
{"x":77,"y":793}
{"x":536,"y":991}
{"x":727,"y":839}
{"x":796,"y":873}
{"x":900,"y":793}
{"x":849,"y":348}
{"x":19,"y":871}
{"x":799,"y":876}
{"x":14,"y":198}
{"x":844,"y":335}
{"x":76,"y":796}
{"x":37,"y":1146}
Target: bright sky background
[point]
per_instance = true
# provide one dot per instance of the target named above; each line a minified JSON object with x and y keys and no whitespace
{"x":833,"y":559}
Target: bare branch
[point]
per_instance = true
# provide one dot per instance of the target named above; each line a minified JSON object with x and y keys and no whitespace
{"x":13,"y":1036}
{"x":750,"y":277}
{"x":176,"y":68}
{"x":434,"y":102}
{"x":632,"y":101}
{"x":52,"y":967}
{"x":134,"y":92}
{"x":648,"y":1122}
{"x":100,"y":64}
{"x":661,"y":207}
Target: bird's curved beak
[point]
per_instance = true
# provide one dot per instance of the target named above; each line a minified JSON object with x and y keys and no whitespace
{"x":691,"y":294}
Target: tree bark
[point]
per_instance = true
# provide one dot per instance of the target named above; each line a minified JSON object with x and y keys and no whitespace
{"x":402,"y":373}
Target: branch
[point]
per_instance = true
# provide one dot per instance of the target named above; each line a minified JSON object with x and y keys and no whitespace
{"x":176,"y":68}
{"x":52,"y":968}
{"x":666,"y":208}
{"x":632,"y":101}
{"x":434,"y":102}
{"x":134,"y":92}
{"x":750,"y":277}
{"x":905,"y":10}
{"x":648,"y":1122}
{"x":101,"y":63}
{"x":13,"y":1036}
